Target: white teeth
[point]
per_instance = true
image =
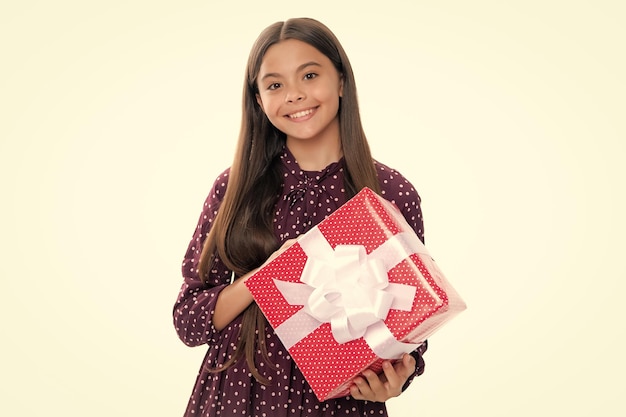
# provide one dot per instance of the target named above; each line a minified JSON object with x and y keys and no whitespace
{"x":300,"y":114}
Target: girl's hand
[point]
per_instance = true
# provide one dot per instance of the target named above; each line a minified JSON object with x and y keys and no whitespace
{"x":286,"y":244}
{"x":373,"y":387}
{"x":235,"y":298}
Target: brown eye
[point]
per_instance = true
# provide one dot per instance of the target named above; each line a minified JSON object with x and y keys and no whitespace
{"x":273,"y":86}
{"x":310,"y":76}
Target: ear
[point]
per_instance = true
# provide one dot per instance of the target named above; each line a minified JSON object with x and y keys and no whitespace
{"x":260,"y":103}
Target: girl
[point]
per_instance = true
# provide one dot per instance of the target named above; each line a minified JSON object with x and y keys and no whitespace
{"x":301,"y":154}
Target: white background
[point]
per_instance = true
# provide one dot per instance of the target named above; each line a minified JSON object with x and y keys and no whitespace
{"x":508,"y":117}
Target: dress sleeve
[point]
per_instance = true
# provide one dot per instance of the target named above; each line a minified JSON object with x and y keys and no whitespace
{"x":397,"y":189}
{"x":193,"y":311}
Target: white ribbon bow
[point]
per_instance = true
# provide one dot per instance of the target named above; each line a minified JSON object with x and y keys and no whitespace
{"x":349,"y":289}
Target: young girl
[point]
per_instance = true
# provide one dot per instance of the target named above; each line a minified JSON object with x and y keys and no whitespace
{"x":301,"y":154}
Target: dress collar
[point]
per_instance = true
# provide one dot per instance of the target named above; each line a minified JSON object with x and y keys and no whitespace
{"x":298,"y":181}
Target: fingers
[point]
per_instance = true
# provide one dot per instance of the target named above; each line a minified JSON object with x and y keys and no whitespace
{"x":388,"y":384}
{"x":286,"y":244}
{"x":394,"y":377}
{"x":372,"y":387}
{"x":405,"y":367}
{"x":367,"y":387}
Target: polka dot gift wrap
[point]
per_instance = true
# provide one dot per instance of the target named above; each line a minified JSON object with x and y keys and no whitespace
{"x":357,"y":288}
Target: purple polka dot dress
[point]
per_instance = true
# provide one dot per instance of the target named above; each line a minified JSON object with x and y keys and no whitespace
{"x":306,"y":199}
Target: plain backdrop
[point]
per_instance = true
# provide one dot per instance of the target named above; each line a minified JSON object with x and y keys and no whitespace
{"x":507,"y":116}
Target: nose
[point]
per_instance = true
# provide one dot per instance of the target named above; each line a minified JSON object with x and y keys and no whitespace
{"x":294,"y":94}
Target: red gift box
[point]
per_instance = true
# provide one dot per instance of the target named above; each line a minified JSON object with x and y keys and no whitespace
{"x":358,"y":288}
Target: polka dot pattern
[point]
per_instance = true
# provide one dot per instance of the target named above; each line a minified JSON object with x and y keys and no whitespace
{"x":328,"y":366}
{"x":306,"y":199}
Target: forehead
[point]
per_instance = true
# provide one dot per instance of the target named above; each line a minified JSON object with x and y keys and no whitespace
{"x":288,"y":55}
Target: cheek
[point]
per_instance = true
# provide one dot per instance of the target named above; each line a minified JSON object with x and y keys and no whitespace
{"x":330,"y":93}
{"x":331,"y":98}
{"x":269,"y":105}
{"x":272,"y":113}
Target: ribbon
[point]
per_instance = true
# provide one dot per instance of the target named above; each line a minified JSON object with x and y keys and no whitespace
{"x":349,"y":289}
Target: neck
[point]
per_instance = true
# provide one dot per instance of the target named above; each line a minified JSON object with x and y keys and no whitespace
{"x":312,"y":156}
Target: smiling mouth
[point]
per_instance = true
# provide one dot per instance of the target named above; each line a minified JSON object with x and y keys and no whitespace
{"x":300,"y":114}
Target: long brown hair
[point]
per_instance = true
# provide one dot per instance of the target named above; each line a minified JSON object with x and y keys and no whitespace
{"x":242,"y":234}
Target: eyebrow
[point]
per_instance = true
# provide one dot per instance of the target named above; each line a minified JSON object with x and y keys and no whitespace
{"x":300,"y":68}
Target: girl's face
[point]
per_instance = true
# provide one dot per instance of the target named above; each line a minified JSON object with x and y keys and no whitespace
{"x":299,"y":90}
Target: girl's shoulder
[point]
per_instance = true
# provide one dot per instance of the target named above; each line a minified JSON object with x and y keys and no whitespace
{"x":399,"y":190}
{"x":394,"y":185}
{"x":220,"y":183}
{"x":217,"y":191}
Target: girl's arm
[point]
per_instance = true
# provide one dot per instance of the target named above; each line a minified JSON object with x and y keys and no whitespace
{"x":202,"y":310}
{"x":231,"y":302}
{"x":197,"y":301}
{"x":234,"y":299}
{"x":409,"y":203}
{"x":397,"y":189}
